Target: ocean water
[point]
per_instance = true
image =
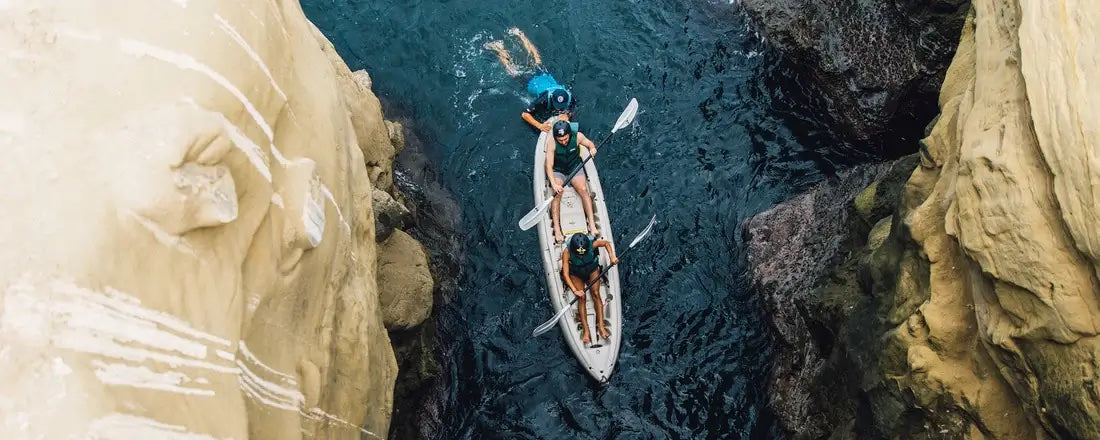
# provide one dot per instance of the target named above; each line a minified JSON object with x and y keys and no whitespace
{"x":725,"y":130}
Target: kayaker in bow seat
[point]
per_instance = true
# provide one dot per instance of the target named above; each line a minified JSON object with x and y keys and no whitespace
{"x":580,"y":265}
{"x":550,"y":98}
{"x":563,"y":154}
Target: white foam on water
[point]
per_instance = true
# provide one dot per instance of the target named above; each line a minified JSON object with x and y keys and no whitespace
{"x":130,"y":427}
{"x":229,"y":29}
{"x":135,"y":376}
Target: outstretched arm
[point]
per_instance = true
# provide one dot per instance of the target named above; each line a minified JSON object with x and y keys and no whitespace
{"x":535,"y":123}
{"x":610,"y":249}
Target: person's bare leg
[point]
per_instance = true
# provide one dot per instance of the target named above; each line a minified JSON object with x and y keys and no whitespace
{"x":555,"y":216}
{"x":527,"y":45}
{"x":503,"y":55}
{"x":580,"y":184}
{"x":598,"y":305}
{"x":582,"y":311}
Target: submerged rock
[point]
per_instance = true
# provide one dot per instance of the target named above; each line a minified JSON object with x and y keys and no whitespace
{"x":877,"y":64}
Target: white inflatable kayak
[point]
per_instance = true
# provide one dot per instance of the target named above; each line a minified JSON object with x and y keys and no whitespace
{"x":599,"y":358}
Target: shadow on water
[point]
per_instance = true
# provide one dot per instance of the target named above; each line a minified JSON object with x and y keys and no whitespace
{"x":724,"y":132}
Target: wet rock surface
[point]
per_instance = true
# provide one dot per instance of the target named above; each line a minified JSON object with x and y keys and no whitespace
{"x":877,"y":65}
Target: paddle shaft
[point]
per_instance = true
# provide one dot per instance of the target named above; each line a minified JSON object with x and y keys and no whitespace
{"x":593,"y":282}
{"x":577,"y":169}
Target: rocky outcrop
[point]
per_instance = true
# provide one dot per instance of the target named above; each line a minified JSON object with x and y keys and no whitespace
{"x":407,"y":285}
{"x":876,"y":65}
{"x":802,"y":254}
{"x":188,"y":244}
{"x":978,"y":309}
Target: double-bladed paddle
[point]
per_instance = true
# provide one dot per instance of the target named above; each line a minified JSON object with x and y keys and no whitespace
{"x":544,"y":327}
{"x":533,"y":216}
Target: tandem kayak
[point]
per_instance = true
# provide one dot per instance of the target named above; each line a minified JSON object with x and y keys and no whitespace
{"x":599,"y":358}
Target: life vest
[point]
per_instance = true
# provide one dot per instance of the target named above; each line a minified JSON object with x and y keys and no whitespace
{"x":582,"y":263}
{"x":567,"y":157}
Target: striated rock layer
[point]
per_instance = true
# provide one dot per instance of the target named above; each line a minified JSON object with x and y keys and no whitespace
{"x":188,"y":245}
{"x":875,"y":65}
{"x":980,"y":308}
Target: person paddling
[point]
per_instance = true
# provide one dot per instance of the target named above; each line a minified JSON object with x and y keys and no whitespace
{"x":550,"y":98}
{"x":580,"y":265}
{"x":563,"y":154}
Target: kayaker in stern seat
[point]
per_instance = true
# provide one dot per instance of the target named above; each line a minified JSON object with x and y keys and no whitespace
{"x":580,"y":265}
{"x":550,"y":97}
{"x":563,"y":154}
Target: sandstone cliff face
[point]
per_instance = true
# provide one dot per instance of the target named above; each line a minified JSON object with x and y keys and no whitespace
{"x":877,"y":65}
{"x":982,"y":303}
{"x":188,"y":246}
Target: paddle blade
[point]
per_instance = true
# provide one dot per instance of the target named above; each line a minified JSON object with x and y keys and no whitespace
{"x":532,"y":218}
{"x":549,"y":324}
{"x":628,"y":115}
{"x":644,"y":233}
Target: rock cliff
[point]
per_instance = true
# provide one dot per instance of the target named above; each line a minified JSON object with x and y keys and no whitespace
{"x":189,"y":247}
{"x":875,"y":66}
{"x":974,"y":307}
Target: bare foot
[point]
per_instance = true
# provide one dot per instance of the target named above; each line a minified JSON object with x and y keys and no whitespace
{"x":527,"y":45}
{"x":558,"y":238}
{"x":586,"y":339}
{"x":604,"y":333}
{"x":592,"y":230}
{"x":502,"y":54}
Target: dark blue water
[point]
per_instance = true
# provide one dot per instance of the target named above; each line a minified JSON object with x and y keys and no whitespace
{"x":722,"y":134}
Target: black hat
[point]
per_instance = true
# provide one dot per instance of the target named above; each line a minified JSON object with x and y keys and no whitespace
{"x":560,"y":99}
{"x":561,"y":128}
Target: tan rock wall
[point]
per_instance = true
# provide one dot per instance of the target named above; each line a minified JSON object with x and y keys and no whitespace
{"x":187,"y":246}
{"x":1004,"y":212}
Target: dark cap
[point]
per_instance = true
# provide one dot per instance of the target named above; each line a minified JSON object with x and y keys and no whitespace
{"x":560,"y":99}
{"x":561,"y":128}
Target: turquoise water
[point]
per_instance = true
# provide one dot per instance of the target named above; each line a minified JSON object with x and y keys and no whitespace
{"x":724,"y":132}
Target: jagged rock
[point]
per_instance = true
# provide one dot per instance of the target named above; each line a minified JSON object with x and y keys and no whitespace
{"x":362,"y":77}
{"x":877,"y":64}
{"x":406,"y":282}
{"x":397,"y":135}
{"x":980,"y":309}
{"x":388,"y":214}
{"x":792,"y":249}
{"x":188,"y":239}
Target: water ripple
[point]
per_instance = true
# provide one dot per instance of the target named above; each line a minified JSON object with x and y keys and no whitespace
{"x":725,"y":130}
